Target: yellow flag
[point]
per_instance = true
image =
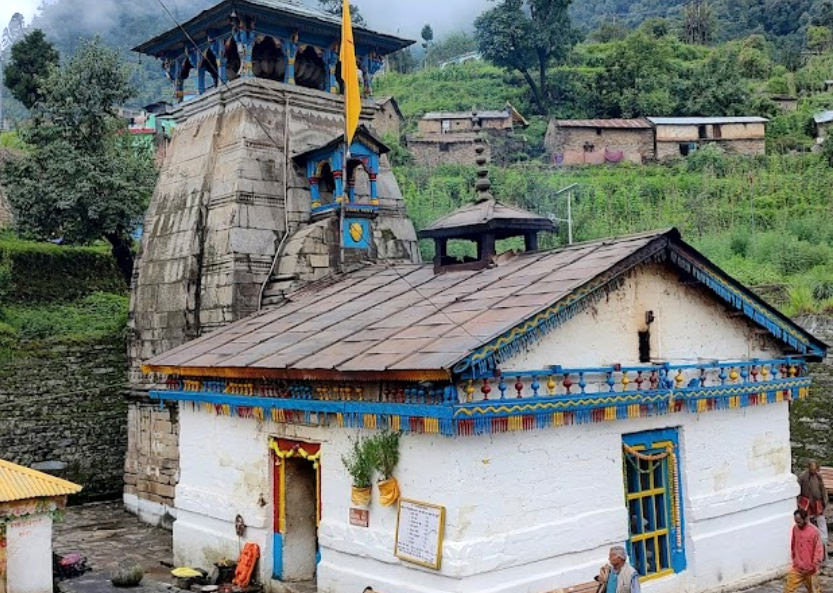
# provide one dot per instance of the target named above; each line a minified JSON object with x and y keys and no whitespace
{"x":350,"y":76}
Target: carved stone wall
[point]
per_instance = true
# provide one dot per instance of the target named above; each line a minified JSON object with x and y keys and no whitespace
{"x":227,"y":196}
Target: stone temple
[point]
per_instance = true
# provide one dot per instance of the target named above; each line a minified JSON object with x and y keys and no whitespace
{"x":255,"y":196}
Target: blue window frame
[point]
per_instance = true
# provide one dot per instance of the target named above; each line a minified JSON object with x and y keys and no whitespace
{"x":653,"y":497}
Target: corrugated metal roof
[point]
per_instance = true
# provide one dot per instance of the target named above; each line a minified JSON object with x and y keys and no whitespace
{"x":696,"y":121}
{"x":19,"y":483}
{"x":823,"y":117}
{"x":638,"y":123}
{"x":466,"y":114}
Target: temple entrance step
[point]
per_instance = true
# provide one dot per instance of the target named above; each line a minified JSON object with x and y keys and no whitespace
{"x":294,"y":587}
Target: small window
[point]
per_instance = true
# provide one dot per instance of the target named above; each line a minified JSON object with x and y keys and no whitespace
{"x":645,"y":346}
{"x":717,"y":132}
{"x":446,"y":126}
{"x":598,"y":131}
{"x":654,"y":502}
{"x":444,"y":147}
{"x":684,"y":147}
{"x":702,"y":132}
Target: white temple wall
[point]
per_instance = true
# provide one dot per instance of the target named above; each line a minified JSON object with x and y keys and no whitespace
{"x":689,"y":324}
{"x":527,"y":512}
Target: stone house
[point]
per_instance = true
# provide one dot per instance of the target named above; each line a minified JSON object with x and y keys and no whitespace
{"x":678,"y":136}
{"x":29,"y":500}
{"x":249,"y":198}
{"x":787,"y":103}
{"x":453,"y":137}
{"x":599,"y":141}
{"x":388,"y":118}
{"x":620,"y":390}
{"x":822,"y":122}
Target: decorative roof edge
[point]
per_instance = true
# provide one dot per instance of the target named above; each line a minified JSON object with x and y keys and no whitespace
{"x":668,"y":246}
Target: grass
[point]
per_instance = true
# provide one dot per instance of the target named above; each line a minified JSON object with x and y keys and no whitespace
{"x":96,"y":316}
{"x":766,"y":221}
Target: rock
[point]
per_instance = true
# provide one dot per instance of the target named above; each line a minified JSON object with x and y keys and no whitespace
{"x":128,"y":575}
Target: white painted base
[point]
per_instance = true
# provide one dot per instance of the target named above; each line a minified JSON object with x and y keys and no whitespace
{"x":153,"y":513}
{"x":29,"y":555}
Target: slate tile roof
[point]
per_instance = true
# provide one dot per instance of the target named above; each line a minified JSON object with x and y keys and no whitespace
{"x":383,"y":318}
{"x":402,"y":317}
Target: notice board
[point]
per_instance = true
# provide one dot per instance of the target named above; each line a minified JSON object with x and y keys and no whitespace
{"x":419,"y":532}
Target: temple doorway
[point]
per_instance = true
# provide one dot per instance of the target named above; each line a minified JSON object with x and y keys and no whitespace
{"x":297,"y":509}
{"x":301,"y":544}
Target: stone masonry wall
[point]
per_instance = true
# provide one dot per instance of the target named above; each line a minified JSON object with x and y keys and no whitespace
{"x":444,"y":149}
{"x":65,"y":402}
{"x":228,"y":195}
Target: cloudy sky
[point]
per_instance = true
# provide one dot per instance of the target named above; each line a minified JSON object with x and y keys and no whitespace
{"x":405,"y":17}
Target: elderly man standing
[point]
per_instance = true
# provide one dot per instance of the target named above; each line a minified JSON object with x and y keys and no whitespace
{"x":813,"y":498}
{"x":618,"y":576}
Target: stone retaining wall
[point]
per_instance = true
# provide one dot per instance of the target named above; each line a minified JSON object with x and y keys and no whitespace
{"x":65,"y":403}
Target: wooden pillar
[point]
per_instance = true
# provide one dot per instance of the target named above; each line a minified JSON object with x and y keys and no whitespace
{"x":531,"y":241}
{"x":440,"y":251}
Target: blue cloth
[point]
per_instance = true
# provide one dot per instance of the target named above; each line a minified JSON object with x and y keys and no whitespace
{"x":612,"y":581}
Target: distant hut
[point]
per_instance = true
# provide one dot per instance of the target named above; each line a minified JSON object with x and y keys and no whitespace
{"x":678,"y":136}
{"x":598,"y":141}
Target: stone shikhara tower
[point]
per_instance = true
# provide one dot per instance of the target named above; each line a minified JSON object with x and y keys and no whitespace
{"x":254,"y":197}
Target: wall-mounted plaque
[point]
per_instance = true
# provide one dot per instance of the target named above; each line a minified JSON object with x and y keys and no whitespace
{"x":359,"y":517}
{"x":419,"y":533}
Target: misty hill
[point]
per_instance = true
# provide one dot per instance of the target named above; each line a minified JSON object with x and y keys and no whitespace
{"x":784,"y":20}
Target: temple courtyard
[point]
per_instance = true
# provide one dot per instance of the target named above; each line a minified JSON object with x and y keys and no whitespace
{"x":107,"y":535}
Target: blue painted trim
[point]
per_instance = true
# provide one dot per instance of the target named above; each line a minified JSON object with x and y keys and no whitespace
{"x":277,"y":556}
{"x":678,"y":557}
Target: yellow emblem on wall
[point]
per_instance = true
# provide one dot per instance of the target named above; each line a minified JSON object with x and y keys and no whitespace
{"x":356,"y":231}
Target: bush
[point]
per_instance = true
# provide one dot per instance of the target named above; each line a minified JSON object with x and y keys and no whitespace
{"x":384,"y":450}
{"x":41,"y":272}
{"x":710,"y":159}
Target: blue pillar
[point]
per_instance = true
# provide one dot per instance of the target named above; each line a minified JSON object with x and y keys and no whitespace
{"x":245,"y":42}
{"x":291,"y":46}
{"x":339,"y":170}
{"x":219,"y":49}
{"x":331,"y":60}
{"x":372,"y":174}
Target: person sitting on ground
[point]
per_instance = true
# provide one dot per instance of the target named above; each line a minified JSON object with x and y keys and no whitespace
{"x":807,"y":555}
{"x":618,"y":576}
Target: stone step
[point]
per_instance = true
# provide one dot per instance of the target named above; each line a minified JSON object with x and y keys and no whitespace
{"x":272,"y":300}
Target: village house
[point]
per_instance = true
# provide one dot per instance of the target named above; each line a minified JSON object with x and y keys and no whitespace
{"x":248,"y":204}
{"x":453,"y":137}
{"x":388,"y":118}
{"x":599,"y":141}
{"x":678,"y":136}
{"x":822,"y":122}
{"x":28,"y":501}
{"x":787,"y":103}
{"x":551,"y":404}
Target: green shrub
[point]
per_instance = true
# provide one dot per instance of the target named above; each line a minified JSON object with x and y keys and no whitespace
{"x":40,"y":272}
{"x":359,"y":463}
{"x":384,"y":450}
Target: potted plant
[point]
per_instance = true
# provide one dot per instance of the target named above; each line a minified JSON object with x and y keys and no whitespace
{"x":359,"y":464}
{"x":385,"y":453}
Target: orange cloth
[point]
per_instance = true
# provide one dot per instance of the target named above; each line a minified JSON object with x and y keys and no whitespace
{"x":246,"y":564}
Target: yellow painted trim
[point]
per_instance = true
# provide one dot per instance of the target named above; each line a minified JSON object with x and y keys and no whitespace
{"x":656,"y":575}
{"x":645,"y":493}
{"x":648,"y":535}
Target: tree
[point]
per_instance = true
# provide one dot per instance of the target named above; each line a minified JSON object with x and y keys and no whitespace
{"x":427,"y":35}
{"x":80,"y":178}
{"x":336,"y":7}
{"x":453,"y":45}
{"x":528,"y":36}
{"x":31,"y":59}
{"x":819,"y":39}
{"x":698,"y":22}
{"x":716,"y":86}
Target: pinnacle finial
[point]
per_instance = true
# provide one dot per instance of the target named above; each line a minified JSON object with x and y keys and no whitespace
{"x":482,"y":185}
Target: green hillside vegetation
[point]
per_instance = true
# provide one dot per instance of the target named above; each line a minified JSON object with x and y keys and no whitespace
{"x":767,"y":221}
{"x":58,"y":293}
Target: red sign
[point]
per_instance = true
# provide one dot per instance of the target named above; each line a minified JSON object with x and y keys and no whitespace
{"x":359,"y":517}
